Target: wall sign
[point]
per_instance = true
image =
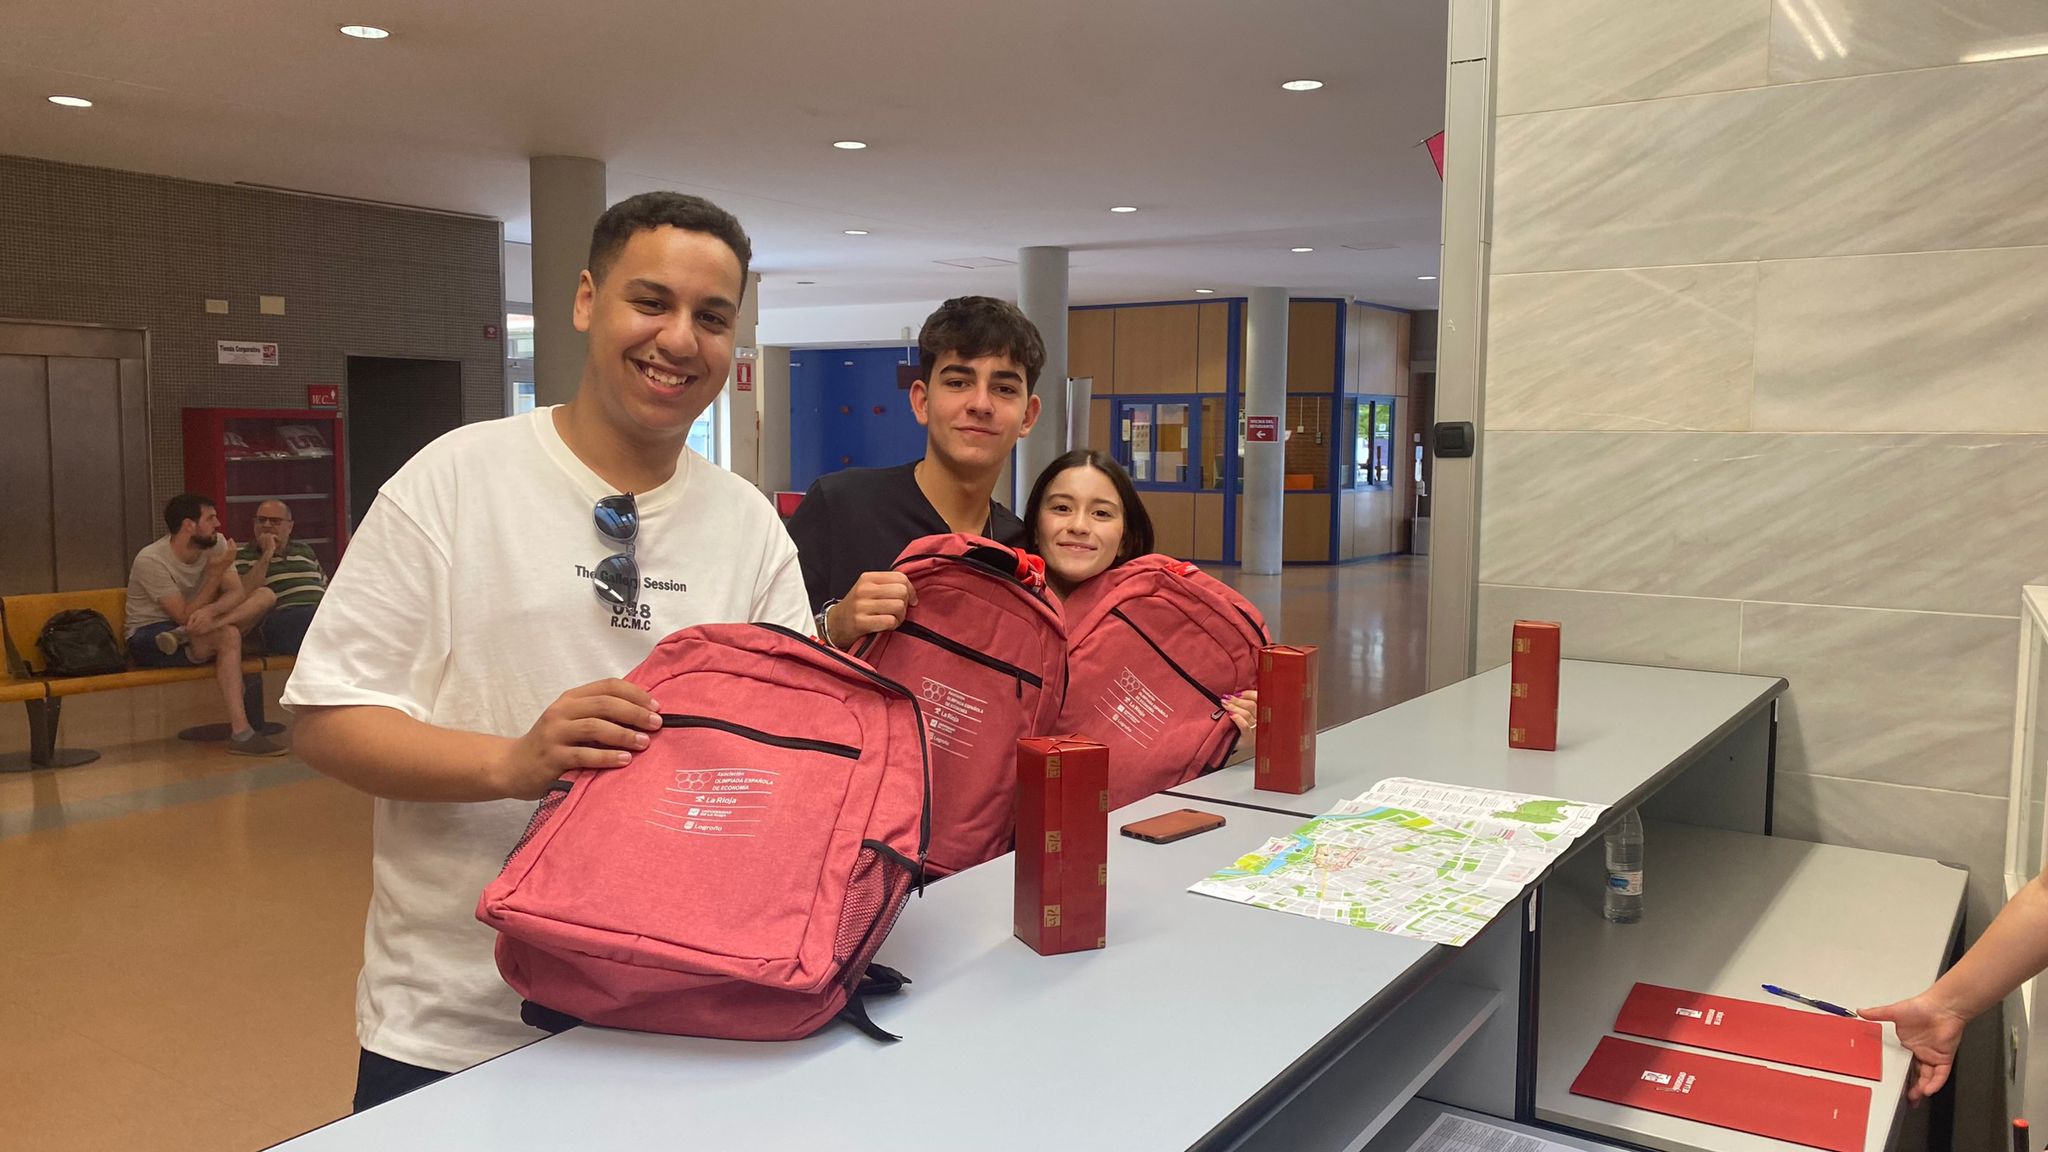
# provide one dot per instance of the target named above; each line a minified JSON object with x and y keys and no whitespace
{"x":743,"y":376}
{"x":1262,"y":429}
{"x":247,"y":352}
{"x":323,"y":395}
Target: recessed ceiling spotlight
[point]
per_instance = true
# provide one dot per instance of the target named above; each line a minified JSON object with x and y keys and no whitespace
{"x":1205,"y":291}
{"x":1123,"y":208}
{"x":1301,"y":249}
{"x":856,"y":231}
{"x":364,"y":32}
{"x":71,"y":101}
{"x":849,"y":145}
{"x":1302,"y":85}
{"x":1425,"y":277}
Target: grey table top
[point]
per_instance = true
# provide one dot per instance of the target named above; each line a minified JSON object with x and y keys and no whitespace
{"x":1141,"y":1045}
{"x":1724,"y":912}
{"x":1622,"y":728}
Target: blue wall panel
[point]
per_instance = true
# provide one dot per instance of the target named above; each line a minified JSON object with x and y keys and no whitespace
{"x":834,"y":422}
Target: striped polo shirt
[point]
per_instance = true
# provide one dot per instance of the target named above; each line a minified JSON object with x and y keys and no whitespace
{"x":294,"y":573}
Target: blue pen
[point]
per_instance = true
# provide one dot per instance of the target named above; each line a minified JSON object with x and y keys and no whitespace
{"x":1810,"y":1002}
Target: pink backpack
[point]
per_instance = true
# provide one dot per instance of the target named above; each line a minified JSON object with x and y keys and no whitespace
{"x":737,"y":877}
{"x":1153,"y":646}
{"x":985,"y":652}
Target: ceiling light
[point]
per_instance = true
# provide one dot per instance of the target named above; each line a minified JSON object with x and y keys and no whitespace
{"x":849,"y":145}
{"x":1123,"y":208}
{"x":364,"y":32}
{"x":1205,"y":291}
{"x":807,"y":281}
{"x":856,"y":231}
{"x":1425,"y":277}
{"x":1301,"y":249}
{"x":1302,"y":85}
{"x":71,"y":101}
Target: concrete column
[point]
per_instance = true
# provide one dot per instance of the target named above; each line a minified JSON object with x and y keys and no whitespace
{"x":566,"y":196}
{"x":1042,"y":294}
{"x":1461,"y":342}
{"x":742,"y":409}
{"x":1265,"y":394}
{"x":772,"y":374}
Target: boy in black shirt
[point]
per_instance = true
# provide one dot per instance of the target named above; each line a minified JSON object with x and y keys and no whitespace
{"x":979,"y":360}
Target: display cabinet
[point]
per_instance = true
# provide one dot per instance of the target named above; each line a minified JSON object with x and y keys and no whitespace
{"x":244,"y":456}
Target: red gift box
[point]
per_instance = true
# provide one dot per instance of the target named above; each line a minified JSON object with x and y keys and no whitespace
{"x":1062,"y":844}
{"x":1532,"y":697}
{"x":1287,"y":719}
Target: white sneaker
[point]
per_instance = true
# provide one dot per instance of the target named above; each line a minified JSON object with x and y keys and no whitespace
{"x":170,"y":640}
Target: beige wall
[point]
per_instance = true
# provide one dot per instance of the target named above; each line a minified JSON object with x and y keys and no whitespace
{"x":1763,"y":386}
{"x":128,"y":250}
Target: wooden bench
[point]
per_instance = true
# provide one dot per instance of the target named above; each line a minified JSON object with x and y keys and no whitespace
{"x":21,"y":622}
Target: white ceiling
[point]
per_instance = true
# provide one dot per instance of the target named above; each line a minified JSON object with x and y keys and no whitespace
{"x":992,"y":125}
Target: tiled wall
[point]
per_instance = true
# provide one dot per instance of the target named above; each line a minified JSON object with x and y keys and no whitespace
{"x":1767,"y":377}
{"x":89,"y":245}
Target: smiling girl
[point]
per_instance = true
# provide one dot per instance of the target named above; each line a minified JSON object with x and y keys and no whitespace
{"x":1084,"y":518}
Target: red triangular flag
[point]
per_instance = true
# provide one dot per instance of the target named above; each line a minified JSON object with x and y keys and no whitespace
{"x":1435,"y":144}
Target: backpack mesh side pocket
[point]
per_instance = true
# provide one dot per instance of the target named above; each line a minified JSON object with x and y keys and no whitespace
{"x":542,"y":813}
{"x":875,"y":894}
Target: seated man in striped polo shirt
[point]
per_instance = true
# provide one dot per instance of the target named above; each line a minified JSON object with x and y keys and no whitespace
{"x":290,"y":570}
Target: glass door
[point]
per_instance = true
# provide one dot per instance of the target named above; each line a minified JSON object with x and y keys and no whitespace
{"x":1134,"y":441}
{"x":1171,"y":441}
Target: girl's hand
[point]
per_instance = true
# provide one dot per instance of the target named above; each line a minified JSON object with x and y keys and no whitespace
{"x":1243,"y":710}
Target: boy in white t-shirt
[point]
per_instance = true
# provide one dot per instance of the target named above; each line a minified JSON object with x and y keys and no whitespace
{"x":466,"y":654}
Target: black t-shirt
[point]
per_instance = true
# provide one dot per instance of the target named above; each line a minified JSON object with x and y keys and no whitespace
{"x":859,"y":520}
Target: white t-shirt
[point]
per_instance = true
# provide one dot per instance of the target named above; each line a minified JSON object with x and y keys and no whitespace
{"x":465,"y":601}
{"x":157,"y":574}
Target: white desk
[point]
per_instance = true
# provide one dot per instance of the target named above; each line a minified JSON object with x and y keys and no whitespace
{"x":1623,"y":732}
{"x":1724,"y":912}
{"x":1204,"y":1024}
{"x":1144,"y":1044}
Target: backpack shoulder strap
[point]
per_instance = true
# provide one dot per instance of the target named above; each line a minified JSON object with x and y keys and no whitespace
{"x":878,"y":980}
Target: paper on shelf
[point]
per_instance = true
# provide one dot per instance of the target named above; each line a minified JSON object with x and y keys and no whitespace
{"x":1459,"y":1134}
{"x":1409,"y":857}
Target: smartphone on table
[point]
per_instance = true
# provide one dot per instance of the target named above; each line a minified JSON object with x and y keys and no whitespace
{"x":1170,"y":826}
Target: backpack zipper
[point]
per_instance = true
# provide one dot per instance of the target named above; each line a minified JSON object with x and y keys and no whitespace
{"x":1258,"y":629}
{"x":919,"y":631}
{"x":672,"y":720}
{"x":1211,"y":697}
{"x":924,"y":827}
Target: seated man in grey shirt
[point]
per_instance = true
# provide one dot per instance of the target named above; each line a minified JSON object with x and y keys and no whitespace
{"x":186,"y":606}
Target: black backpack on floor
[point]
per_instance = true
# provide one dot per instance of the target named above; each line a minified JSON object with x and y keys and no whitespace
{"x":80,"y":642}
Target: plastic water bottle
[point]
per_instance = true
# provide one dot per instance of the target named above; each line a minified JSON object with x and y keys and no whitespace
{"x":1624,"y":898}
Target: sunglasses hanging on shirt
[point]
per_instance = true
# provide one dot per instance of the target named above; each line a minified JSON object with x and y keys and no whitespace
{"x":617,"y":577}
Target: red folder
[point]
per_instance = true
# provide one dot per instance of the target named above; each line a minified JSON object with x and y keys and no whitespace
{"x":1748,"y":1028}
{"x":1749,"y":1098}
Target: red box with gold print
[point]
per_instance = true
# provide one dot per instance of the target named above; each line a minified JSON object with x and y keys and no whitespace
{"x":1286,"y":756}
{"x":1532,"y":691}
{"x":1062,"y":844}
